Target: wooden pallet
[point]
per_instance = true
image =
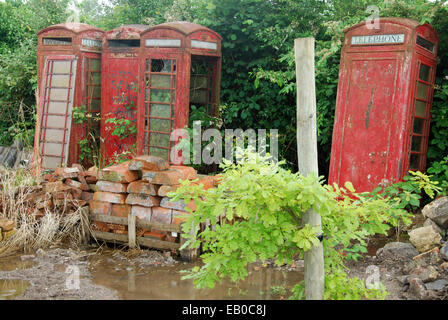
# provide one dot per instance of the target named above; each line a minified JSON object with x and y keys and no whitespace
{"x":133,"y":241}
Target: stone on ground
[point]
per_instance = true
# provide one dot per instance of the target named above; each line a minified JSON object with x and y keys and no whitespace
{"x":400,"y":251}
{"x":437,"y":211}
{"x":425,"y":238}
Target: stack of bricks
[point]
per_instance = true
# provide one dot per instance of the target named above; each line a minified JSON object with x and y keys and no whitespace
{"x":64,"y":190}
{"x":140,"y":187}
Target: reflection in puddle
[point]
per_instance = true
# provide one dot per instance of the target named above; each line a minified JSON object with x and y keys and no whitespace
{"x":15,"y":263}
{"x":165,"y":283}
{"x":10,"y":289}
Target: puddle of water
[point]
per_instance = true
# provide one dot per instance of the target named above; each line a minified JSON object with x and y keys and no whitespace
{"x":10,"y":289}
{"x":165,"y":283}
{"x":15,"y":263}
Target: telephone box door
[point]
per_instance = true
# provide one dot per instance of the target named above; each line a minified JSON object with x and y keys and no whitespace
{"x":367,"y":120}
{"x":165,"y":109}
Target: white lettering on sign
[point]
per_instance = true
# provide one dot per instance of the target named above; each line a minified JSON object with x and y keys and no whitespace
{"x":204,"y":45}
{"x":163,"y":43}
{"x":91,"y":43}
{"x":378,"y":39}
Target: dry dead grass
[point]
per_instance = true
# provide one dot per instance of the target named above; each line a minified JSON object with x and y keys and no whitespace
{"x":31,"y":233}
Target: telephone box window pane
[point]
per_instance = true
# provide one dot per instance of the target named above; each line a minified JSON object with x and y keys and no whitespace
{"x":425,"y":43}
{"x":161,"y":125}
{"x":160,"y":65}
{"x":159,"y":139}
{"x":416,"y":143}
{"x":95,"y":64}
{"x":198,"y":96}
{"x":414,"y":162}
{"x":418,"y":125}
{"x":95,"y":92}
{"x":159,"y":152}
{"x":96,"y":105}
{"x":422,"y":90}
{"x":424,"y":72}
{"x":420,"y":108}
{"x":160,"y":110}
{"x":160,"y":81}
{"x":95,"y":78}
{"x":160,"y":95}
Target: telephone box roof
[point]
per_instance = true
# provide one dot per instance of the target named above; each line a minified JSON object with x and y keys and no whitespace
{"x":409,"y":23}
{"x":71,"y":26}
{"x":184,"y":27}
{"x":130,"y":31}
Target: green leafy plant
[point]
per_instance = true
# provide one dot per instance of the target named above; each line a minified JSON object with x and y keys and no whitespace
{"x":265,"y":204}
{"x":407,"y":194}
{"x":121,"y":127}
{"x":439,"y":170}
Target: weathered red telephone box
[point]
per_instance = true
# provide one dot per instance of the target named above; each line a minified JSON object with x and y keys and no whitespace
{"x":180,"y":66}
{"x":69,"y":76}
{"x":120,"y":69}
{"x":384,"y":99}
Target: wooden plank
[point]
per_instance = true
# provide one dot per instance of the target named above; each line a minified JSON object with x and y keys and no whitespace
{"x":131,"y":231}
{"x":158,"y":244}
{"x":159,"y":226}
{"x":138,"y":223}
{"x":307,"y":157}
{"x":109,"y":219}
{"x":147,"y":242}
{"x":109,"y":236}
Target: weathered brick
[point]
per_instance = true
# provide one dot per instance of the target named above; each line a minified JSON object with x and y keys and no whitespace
{"x":142,"y":187}
{"x":177,"y":205}
{"x":67,"y":172}
{"x":57,"y":186}
{"x":188,"y":172}
{"x":87,"y":196}
{"x":147,"y":162}
{"x":100,"y":226}
{"x":110,"y":197}
{"x":155,"y":235}
{"x":108,"y":186}
{"x":76,"y":193}
{"x":179,"y":217}
{"x":100,"y":207}
{"x":142,"y":213}
{"x":84,"y":184}
{"x":208,"y":182}
{"x":142,"y":200}
{"x":114,"y":226}
{"x":119,"y":173}
{"x":167,"y":177}
{"x":120,"y":210}
{"x":218,"y":179}
{"x":78,"y":166}
{"x":62,"y":195}
{"x":73,"y":183}
{"x":93,"y":187}
{"x":91,"y":179}
{"x":161,"y":215}
{"x":164,"y":190}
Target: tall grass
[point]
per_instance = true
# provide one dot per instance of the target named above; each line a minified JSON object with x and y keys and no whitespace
{"x":56,"y":226}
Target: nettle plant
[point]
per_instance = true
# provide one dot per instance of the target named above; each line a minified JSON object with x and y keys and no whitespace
{"x":265,"y":204}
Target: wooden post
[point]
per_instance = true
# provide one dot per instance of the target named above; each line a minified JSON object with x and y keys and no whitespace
{"x":132,"y":231}
{"x":307,"y":156}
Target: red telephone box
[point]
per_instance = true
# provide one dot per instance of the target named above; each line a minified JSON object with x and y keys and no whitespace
{"x":180,"y":66}
{"x":69,"y":76}
{"x":384,"y":99}
{"x":121,"y":49}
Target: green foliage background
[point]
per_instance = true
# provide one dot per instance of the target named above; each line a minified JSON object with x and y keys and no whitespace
{"x":258,"y":79}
